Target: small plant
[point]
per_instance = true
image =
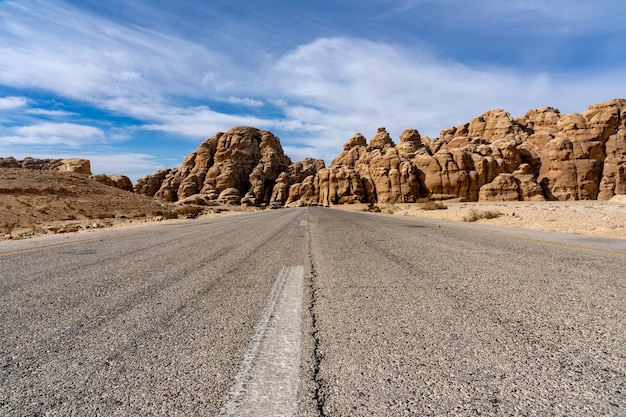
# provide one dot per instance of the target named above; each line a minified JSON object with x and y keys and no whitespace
{"x":167,"y":215}
{"x":190,"y":212}
{"x":472,"y":216}
{"x":475,"y":215}
{"x":391,"y":209}
{"x":372,"y":208}
{"x":434,"y":205}
{"x":492,"y":215}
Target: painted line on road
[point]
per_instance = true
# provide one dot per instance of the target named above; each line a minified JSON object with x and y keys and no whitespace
{"x":303,"y":223}
{"x":269,"y":375}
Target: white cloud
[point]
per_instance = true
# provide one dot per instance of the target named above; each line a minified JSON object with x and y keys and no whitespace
{"x":348,"y":84}
{"x":327,"y":89}
{"x":244,"y":101}
{"x":50,"y":113}
{"x":63,"y":134}
{"x":12,"y":103}
{"x":50,"y":46}
{"x":198,"y":122}
{"x":133,"y":165}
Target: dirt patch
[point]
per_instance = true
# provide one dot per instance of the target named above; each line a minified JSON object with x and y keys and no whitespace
{"x":39,"y":202}
{"x":592,"y":218}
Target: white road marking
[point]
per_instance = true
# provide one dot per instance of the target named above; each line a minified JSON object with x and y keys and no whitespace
{"x":269,"y":376}
{"x":303,"y":222}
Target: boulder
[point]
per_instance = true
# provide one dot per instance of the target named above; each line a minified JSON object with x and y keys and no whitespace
{"x":77,"y":165}
{"x":229,"y":196}
{"x":150,"y":184}
{"x":9,"y":162}
{"x":503,"y":188}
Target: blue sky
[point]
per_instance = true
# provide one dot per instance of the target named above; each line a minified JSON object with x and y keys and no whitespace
{"x":136,"y":85}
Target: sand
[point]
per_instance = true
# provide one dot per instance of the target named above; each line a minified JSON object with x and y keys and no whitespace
{"x":591,"y":218}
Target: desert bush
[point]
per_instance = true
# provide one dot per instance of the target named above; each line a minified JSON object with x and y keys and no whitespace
{"x":492,"y":215}
{"x":167,"y":215}
{"x":472,"y":216}
{"x":189,"y":212}
{"x":7,"y":228}
{"x":373,"y":208}
{"x":475,"y":215}
{"x":392,"y":209}
{"x":434,"y":205}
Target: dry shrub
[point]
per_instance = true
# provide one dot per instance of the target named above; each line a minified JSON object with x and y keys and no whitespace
{"x":189,"y":212}
{"x":373,"y":208}
{"x":475,"y":215}
{"x":434,"y":205}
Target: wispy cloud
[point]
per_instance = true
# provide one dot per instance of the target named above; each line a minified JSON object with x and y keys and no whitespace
{"x":12,"y":103}
{"x":134,"y":165}
{"x":50,"y":113}
{"x":89,"y":58}
{"x":315,"y":95}
{"x":352,"y":82}
{"x":65,"y":134}
{"x":243,"y":101}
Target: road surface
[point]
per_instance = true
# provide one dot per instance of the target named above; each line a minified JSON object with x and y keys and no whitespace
{"x":313,"y":312}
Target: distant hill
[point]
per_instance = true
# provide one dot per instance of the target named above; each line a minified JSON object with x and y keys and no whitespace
{"x":35,"y":198}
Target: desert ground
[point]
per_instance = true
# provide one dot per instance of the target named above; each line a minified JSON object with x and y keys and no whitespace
{"x":34,"y":203}
{"x":591,"y":218}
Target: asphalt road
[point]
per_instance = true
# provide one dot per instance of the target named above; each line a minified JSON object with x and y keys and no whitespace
{"x":313,"y":312}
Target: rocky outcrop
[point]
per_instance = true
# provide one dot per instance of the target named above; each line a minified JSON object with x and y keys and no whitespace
{"x":118,"y":181}
{"x":151,"y":184}
{"x":543,"y":155}
{"x":241,"y":162}
{"x":77,"y":165}
{"x":494,"y":157}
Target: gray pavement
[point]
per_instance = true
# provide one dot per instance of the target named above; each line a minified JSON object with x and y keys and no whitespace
{"x":398,"y":316}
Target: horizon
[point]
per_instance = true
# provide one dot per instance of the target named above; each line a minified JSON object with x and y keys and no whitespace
{"x":136,"y":88}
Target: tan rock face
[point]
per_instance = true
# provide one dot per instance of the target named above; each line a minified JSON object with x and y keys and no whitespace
{"x":245,"y":159}
{"x":118,"y":181}
{"x":502,"y":188}
{"x":77,"y":165}
{"x":150,"y":184}
{"x":494,"y":157}
{"x":122,"y":182}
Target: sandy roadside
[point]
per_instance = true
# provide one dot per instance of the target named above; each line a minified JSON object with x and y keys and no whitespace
{"x":592,"y":218}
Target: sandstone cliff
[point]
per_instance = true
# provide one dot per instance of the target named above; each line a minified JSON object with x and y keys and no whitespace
{"x":243,"y":163}
{"x":544,"y":155}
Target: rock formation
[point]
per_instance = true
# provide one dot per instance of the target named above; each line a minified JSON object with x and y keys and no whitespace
{"x":494,"y":157}
{"x":75,"y":165}
{"x":243,"y":162}
{"x":118,"y":181}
